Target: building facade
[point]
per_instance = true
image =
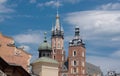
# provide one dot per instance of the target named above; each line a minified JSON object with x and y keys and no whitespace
{"x":13,"y":55}
{"x":75,"y":63}
{"x":45,"y":65}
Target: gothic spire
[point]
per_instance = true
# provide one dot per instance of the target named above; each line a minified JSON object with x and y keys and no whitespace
{"x":57,"y":24}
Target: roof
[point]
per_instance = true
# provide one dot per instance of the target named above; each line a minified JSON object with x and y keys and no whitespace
{"x":46,"y":60}
{"x":22,"y":49}
{"x":4,"y":65}
{"x":91,"y":69}
{"x":45,"y":46}
{"x":6,"y":36}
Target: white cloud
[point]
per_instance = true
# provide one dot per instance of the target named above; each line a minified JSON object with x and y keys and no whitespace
{"x":32,"y":37}
{"x":116,"y":54}
{"x":110,"y":6}
{"x":2,"y":1}
{"x":25,"y":47}
{"x":97,"y":23}
{"x":4,"y":8}
{"x":105,"y":63}
{"x":32,"y":1}
{"x":50,"y":3}
{"x":72,"y":1}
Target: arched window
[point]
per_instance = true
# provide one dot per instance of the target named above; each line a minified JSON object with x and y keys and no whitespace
{"x":43,"y":54}
{"x":83,"y":71}
{"x":74,"y":53}
{"x":75,"y":70}
{"x":83,"y":54}
{"x":83,"y":64}
{"x":54,"y":57}
{"x":75,"y":63}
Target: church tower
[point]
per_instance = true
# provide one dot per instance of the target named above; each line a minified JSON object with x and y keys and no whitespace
{"x":57,"y":40}
{"x":76,"y":56}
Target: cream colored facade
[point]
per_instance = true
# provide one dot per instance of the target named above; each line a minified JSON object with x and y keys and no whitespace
{"x":45,"y":69}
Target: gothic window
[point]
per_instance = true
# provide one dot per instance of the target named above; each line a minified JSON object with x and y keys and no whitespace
{"x":83,"y":71}
{"x":74,"y":53}
{"x":59,"y":44}
{"x":54,"y":51}
{"x":75,"y":63}
{"x":83,"y":54}
{"x":54,"y":57}
{"x":62,"y":58}
{"x":71,"y":70}
{"x":75,"y":70}
{"x":83,"y":64}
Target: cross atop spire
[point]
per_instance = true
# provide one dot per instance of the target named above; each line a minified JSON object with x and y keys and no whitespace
{"x":58,"y":30}
{"x":57,"y":25}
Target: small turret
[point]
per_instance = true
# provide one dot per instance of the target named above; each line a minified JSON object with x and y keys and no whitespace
{"x":45,"y":48}
{"x":76,"y":40}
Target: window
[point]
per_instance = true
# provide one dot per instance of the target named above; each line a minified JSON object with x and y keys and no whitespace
{"x":43,"y":54}
{"x":75,"y":63}
{"x":59,"y":44}
{"x":75,"y":70}
{"x":83,"y":54}
{"x":83,"y":71}
{"x":83,"y":64}
{"x":54,"y":57}
{"x":74,"y":53}
{"x":47,"y":54}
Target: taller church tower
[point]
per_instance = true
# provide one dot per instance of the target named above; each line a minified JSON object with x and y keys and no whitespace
{"x":57,"y":40}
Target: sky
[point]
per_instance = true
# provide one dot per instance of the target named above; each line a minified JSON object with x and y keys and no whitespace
{"x":99,"y":22}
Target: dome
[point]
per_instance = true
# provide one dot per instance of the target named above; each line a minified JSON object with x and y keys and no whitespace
{"x":45,"y":46}
{"x":46,"y":60}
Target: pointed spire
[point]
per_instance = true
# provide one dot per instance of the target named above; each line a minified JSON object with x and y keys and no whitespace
{"x":57,"y":25}
{"x":52,"y":28}
{"x":62,"y":28}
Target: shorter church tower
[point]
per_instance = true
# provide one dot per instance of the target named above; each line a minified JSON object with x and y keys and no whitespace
{"x":45,"y":65}
{"x":76,"y":56}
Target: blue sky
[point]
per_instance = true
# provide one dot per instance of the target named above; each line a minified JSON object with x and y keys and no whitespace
{"x":99,"y":22}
